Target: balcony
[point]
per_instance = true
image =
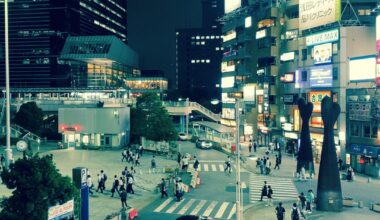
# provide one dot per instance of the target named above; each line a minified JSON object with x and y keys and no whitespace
{"x":243,"y":53}
{"x":292,"y":24}
{"x":229,"y":55}
{"x":233,"y":24}
{"x":229,"y":43}
{"x":244,"y":37}
{"x":271,"y":51}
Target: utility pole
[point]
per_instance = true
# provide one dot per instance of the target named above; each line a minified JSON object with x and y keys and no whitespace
{"x":8,"y":150}
{"x":239,"y":215}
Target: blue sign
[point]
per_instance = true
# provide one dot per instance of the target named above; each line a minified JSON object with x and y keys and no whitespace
{"x":366,"y":150}
{"x":321,"y":76}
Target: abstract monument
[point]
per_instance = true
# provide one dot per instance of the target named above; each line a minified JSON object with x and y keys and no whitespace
{"x":329,"y":194}
{"x":305,"y":153}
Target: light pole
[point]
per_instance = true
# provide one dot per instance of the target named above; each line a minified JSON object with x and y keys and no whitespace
{"x":7,"y":92}
{"x":239,"y":215}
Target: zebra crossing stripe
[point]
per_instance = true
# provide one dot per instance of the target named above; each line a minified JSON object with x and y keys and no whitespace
{"x":213,"y":167}
{"x":199,"y":168}
{"x":221,"y":210}
{"x":162,"y":206}
{"x":175,"y":206}
{"x":206,"y":167}
{"x":210,"y":208}
{"x":221,"y":167}
{"x":186,"y":207}
{"x":198,"y":207}
{"x":233,"y":210}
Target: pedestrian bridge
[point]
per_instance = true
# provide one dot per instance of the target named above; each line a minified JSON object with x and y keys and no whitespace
{"x":184,"y":108}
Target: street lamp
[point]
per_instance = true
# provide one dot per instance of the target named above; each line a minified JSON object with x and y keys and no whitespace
{"x":239,"y":215}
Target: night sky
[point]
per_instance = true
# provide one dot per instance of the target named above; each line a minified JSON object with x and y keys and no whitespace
{"x":151,"y":30}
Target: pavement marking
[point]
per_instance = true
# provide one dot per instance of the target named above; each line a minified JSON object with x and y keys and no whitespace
{"x":199,"y":168}
{"x":211,"y":161}
{"x":233,"y":210}
{"x":206,"y":167}
{"x":175,"y":206}
{"x":221,"y":210}
{"x":198,"y":207}
{"x":210,"y":208}
{"x":213,"y":167}
{"x":221,"y":167}
{"x":186,"y":207}
{"x":162,"y":206}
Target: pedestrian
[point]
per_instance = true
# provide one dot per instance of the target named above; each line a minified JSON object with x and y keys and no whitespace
{"x":90,"y":185}
{"x":130,"y":181}
{"x":228,"y":165}
{"x":280,"y":211}
{"x":100,"y":184}
{"x":265,"y":161}
{"x":179,"y":159}
{"x":303,"y":173}
{"x":262,"y":166}
{"x":196,"y":163}
{"x":137,"y":157}
{"x":123,"y":198}
{"x":309,"y":201}
{"x":179,"y":190}
{"x":295,"y":214}
{"x":124,"y":155}
{"x":115,"y":186}
{"x":163,"y":188}
{"x":104,"y":177}
{"x":185,"y":163}
{"x":350,"y":174}
{"x":254,"y":145}
{"x":340,"y":163}
{"x":153,"y":165}
{"x":132,"y":157}
{"x":269,"y":196}
{"x":141,"y":149}
{"x":258,"y":162}
{"x":250,"y":146}
{"x":264,"y":191}
{"x":302,"y":201}
{"x":277,"y":165}
{"x":121,"y":184}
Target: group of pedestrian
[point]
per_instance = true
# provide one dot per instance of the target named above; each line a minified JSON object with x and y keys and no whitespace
{"x":131,"y":157}
{"x":268,"y":192}
{"x":252,"y":144}
{"x":295,"y":213}
{"x":264,"y":165}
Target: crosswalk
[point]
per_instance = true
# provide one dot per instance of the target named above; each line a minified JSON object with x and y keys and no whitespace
{"x":216,"y":166}
{"x":283,"y":188}
{"x":187,"y":206}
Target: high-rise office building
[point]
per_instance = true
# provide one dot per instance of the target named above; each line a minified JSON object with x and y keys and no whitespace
{"x":198,"y":55}
{"x":37,"y":33}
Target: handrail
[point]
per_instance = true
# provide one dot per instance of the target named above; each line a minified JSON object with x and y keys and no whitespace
{"x":27,"y":133}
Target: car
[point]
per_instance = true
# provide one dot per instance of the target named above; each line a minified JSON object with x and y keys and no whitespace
{"x":203,"y":144}
{"x":182,"y":136}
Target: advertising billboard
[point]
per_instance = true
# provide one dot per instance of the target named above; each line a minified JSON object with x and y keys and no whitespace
{"x":230,"y":5}
{"x":65,"y":210}
{"x":261,"y":34}
{"x":249,"y":91}
{"x":287,"y":56}
{"x":321,"y":76}
{"x":322,"y":54}
{"x":316,"y":97}
{"x":323,"y":37}
{"x":288,"y":77}
{"x":314,"y":13}
{"x":362,"y":68}
{"x":228,"y":82}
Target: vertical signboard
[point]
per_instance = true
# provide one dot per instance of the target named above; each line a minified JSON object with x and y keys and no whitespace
{"x":378,"y":49}
{"x":314,"y":13}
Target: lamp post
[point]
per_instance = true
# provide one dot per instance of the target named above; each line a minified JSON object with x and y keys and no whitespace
{"x":239,"y":215}
{"x":7,"y":92}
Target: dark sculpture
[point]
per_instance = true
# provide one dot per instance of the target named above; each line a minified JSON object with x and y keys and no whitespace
{"x":329,"y":195}
{"x":305,"y":152}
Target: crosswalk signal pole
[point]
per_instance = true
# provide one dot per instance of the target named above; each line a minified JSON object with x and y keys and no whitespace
{"x":239,"y":215}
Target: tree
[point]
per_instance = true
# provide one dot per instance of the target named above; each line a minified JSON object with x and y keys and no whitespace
{"x":151,"y":120}
{"x":30,"y":117}
{"x":37,"y":185}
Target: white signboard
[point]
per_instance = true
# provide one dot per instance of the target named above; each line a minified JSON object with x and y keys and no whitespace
{"x":314,"y":13}
{"x":287,"y":56}
{"x":322,"y":53}
{"x":324,"y":37}
{"x":249,"y":93}
{"x":362,"y":68}
{"x":230,"y":5}
{"x":61,"y":210}
{"x":261,"y":34}
{"x":228,"y":82}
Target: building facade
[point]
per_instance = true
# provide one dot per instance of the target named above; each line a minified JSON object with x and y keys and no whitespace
{"x":37,"y":33}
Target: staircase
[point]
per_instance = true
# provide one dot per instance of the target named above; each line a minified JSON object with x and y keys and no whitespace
{"x":20,"y":132}
{"x":185,"y":108}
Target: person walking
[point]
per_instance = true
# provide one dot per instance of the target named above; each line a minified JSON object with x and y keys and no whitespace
{"x":264,"y":191}
{"x":100,"y":183}
{"x":277,"y":165}
{"x":228,"y":165}
{"x":302,"y":201}
{"x":295,"y":213}
{"x":196,"y":164}
{"x":185,"y":163}
{"x":350,"y":174}
{"x":115,"y":186}
{"x":262,"y":166}
{"x":123,"y":198}
{"x":137,"y":157}
{"x":250,"y":146}
{"x":269,"y":196}
{"x":124,"y":155}
{"x":280,"y":211}
{"x":153,"y":165}
{"x":254,"y":145}
{"x":103,"y":175}
{"x":90,"y":184}
{"x":121,"y":184}
{"x":141,"y":149}
{"x":163,"y":188}
{"x":179,"y":159}
{"x":130,"y":181}
{"x":309,"y":201}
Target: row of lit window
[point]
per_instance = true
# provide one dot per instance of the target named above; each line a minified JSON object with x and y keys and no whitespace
{"x":117,"y":5}
{"x":198,"y":43}
{"x":108,"y":28}
{"x":109,"y":9}
{"x":100,"y":14}
{"x":205,"y":37}
{"x":37,"y":61}
{"x":200,"y":61}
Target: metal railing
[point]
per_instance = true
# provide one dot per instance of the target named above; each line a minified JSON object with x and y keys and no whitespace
{"x":194,"y":106}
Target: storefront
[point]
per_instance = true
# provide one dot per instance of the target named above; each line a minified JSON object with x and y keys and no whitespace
{"x":365,"y":159}
{"x":291,"y":140}
{"x":317,"y":142}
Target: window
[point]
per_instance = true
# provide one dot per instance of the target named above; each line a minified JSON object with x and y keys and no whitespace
{"x":208,"y":61}
{"x":354,"y":130}
{"x":367,"y":130}
{"x":217,"y":48}
{"x":304,"y":54}
{"x":203,"y":43}
{"x":192,"y":61}
{"x":374,"y":131}
{"x":364,"y":12}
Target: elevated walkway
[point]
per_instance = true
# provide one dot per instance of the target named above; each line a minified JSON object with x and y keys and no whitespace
{"x":186,"y":107}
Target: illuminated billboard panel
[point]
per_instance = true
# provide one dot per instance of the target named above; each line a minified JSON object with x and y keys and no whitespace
{"x":316,"y":97}
{"x":230,"y":5}
{"x":228,"y":82}
{"x":313,"y":13}
{"x":322,"y":53}
{"x":362,"y":68}
{"x":321,"y":76}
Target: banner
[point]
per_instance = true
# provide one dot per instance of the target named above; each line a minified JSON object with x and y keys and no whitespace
{"x":316,"y":97}
{"x":314,"y":13}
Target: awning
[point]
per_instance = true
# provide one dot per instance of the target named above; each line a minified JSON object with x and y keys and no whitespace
{"x":366,"y":150}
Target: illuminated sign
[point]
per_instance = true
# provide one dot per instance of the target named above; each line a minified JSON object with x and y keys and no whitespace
{"x":314,"y":13}
{"x":288,"y":78}
{"x":228,"y":66}
{"x":362,"y":68}
{"x":316,"y":97}
{"x":228,"y":82}
{"x":321,"y":76}
{"x":235,"y":95}
{"x":65,"y":210}
{"x":291,"y":135}
{"x":323,"y":37}
{"x":228,"y":113}
{"x":261,"y":34}
{"x":249,"y":91}
{"x":229,"y":36}
{"x":248,"y":22}
{"x":322,"y":53}
{"x":287,"y":56}
{"x":230,"y":5}
{"x":227,"y":99}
